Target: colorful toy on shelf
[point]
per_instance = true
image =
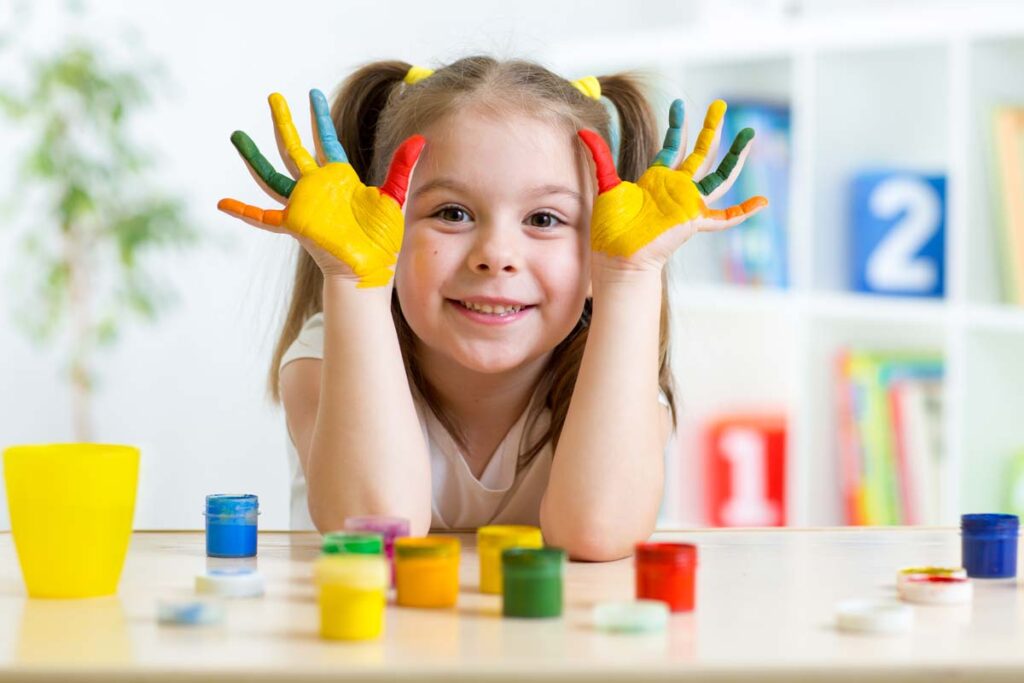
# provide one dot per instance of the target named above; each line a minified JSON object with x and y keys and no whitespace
{"x":745,"y":465}
{"x":898,"y":233}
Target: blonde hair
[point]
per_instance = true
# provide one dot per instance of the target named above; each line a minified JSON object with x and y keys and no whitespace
{"x":374,"y":111}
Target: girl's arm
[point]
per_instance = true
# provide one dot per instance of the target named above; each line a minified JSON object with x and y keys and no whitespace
{"x":354,"y":426}
{"x":606,"y":479}
{"x":352,"y":418}
{"x":607,"y":474}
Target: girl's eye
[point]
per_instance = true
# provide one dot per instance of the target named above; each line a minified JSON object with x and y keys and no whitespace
{"x":544,"y":220}
{"x":452,"y":214}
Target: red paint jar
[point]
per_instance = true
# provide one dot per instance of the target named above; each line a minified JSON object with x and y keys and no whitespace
{"x":667,"y":572}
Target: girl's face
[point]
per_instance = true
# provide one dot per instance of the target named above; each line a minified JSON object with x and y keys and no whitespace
{"x":498,"y":215}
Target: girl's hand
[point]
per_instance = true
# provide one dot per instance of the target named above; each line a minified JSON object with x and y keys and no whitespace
{"x":639,"y":225}
{"x":350,"y":229}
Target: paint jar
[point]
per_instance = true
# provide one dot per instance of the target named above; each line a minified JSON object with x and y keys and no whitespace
{"x":351,"y":591}
{"x":667,"y":572}
{"x":427,"y":571}
{"x":231,"y":525}
{"x":989,"y":545}
{"x":492,"y":540}
{"x":532,"y":582}
{"x":71,"y":507}
{"x":357,"y":542}
{"x":388,"y":527}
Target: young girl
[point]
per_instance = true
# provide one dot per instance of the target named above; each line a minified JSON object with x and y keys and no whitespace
{"x":479,"y":334}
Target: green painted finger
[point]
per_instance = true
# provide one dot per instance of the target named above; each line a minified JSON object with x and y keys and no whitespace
{"x":278,"y":182}
{"x":710,"y":182}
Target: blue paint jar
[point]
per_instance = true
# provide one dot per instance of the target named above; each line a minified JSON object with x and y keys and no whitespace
{"x":231,"y":525}
{"x":989,"y":545}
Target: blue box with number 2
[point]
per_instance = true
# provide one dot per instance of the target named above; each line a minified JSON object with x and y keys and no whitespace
{"x":898,"y":233}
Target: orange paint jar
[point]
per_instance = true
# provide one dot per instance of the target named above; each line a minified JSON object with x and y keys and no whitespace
{"x":427,"y":571}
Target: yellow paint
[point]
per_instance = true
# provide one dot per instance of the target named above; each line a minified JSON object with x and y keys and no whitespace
{"x":491,"y":540}
{"x":427,"y":571}
{"x":352,"y":594}
{"x":357,"y":224}
{"x":71,"y":509}
{"x":630,"y":216}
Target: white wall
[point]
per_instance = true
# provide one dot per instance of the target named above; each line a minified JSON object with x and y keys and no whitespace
{"x":189,"y":390}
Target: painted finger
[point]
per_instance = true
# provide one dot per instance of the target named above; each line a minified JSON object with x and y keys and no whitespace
{"x":719,"y":219}
{"x":276,"y":184}
{"x":397,"y":182}
{"x":671,"y":149}
{"x":272,"y":219}
{"x":289,"y":136}
{"x":324,"y":134}
{"x":607,"y":176}
{"x":705,"y":139}
{"x":714,"y":185}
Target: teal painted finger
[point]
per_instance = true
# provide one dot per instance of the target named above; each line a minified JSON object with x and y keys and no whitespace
{"x":277,"y":182}
{"x":673,"y":136}
{"x":710,"y":182}
{"x":332,"y":149}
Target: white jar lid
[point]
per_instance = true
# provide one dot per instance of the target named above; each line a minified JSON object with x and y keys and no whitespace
{"x":874,"y":616}
{"x":632,"y":616}
{"x":230,"y":582}
{"x":189,"y":612}
{"x":937,"y":590}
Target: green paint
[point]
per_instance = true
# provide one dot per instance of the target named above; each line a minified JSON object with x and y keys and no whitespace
{"x":278,"y":182}
{"x":342,"y":543}
{"x":532,"y":582}
{"x":710,"y":182}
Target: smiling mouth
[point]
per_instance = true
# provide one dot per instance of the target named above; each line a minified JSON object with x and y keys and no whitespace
{"x":487,"y":309}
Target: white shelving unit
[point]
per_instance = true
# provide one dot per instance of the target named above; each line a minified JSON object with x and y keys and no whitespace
{"x":898,"y":84}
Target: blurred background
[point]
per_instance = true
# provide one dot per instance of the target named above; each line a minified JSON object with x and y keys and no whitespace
{"x":855,"y":355}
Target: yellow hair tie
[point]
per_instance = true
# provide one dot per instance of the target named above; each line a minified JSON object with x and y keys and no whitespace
{"x":415,"y":74}
{"x":589,"y":86}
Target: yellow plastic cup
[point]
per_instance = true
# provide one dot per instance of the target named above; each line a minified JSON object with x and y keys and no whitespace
{"x":71,"y":508}
{"x":352,"y":592}
{"x":491,"y":540}
{"x":427,"y":571}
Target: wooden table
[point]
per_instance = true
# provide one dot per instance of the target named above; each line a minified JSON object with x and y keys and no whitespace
{"x":764,"y":612}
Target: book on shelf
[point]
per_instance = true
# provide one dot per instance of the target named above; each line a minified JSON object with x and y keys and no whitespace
{"x":1008,"y":155}
{"x":755,"y":252}
{"x":891,"y":455}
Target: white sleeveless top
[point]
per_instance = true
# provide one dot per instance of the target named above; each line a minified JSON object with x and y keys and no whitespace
{"x":460,"y":500}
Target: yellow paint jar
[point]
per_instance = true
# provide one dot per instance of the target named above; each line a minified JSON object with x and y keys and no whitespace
{"x":427,"y":571}
{"x":491,"y":540}
{"x":352,"y":592}
{"x":71,"y":509}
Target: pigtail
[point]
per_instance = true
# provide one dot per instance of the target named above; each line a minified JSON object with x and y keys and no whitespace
{"x":638,"y":137}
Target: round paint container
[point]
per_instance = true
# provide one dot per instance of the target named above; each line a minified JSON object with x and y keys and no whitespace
{"x":492,"y":540}
{"x":357,"y":542}
{"x":667,"y":572}
{"x":532,"y":582}
{"x":231,"y":525}
{"x":390,"y":528}
{"x":427,"y":571}
{"x":635,"y":616}
{"x":989,"y":545}
{"x":352,"y":590}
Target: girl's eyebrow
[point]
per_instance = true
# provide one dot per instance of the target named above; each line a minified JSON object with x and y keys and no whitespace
{"x":538,"y":191}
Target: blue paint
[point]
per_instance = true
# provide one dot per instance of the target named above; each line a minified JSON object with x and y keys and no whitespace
{"x":231,"y":525}
{"x":989,"y":545}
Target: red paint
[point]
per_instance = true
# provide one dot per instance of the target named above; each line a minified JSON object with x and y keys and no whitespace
{"x":667,"y":572}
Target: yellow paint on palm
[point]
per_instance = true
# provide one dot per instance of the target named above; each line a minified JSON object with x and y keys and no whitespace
{"x":355,"y":223}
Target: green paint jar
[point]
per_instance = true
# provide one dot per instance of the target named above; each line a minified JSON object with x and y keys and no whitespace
{"x":349,"y":542}
{"x":532,"y":582}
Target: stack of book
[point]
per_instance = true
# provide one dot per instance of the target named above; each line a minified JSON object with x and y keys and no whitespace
{"x":754,"y":253}
{"x":890,"y":436}
{"x":1008,"y":153}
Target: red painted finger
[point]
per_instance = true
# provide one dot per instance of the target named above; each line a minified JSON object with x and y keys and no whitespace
{"x":236,"y":208}
{"x":607,"y":176}
{"x":397,"y":182}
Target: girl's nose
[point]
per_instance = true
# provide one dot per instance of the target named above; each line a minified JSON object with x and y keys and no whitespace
{"x":495,"y":250}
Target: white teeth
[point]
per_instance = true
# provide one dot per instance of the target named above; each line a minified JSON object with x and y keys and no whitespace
{"x":493,"y":310}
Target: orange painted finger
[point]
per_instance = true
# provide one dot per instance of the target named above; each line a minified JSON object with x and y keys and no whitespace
{"x":701,"y":148}
{"x":737,"y":210}
{"x":234,"y":207}
{"x":282,"y":116}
